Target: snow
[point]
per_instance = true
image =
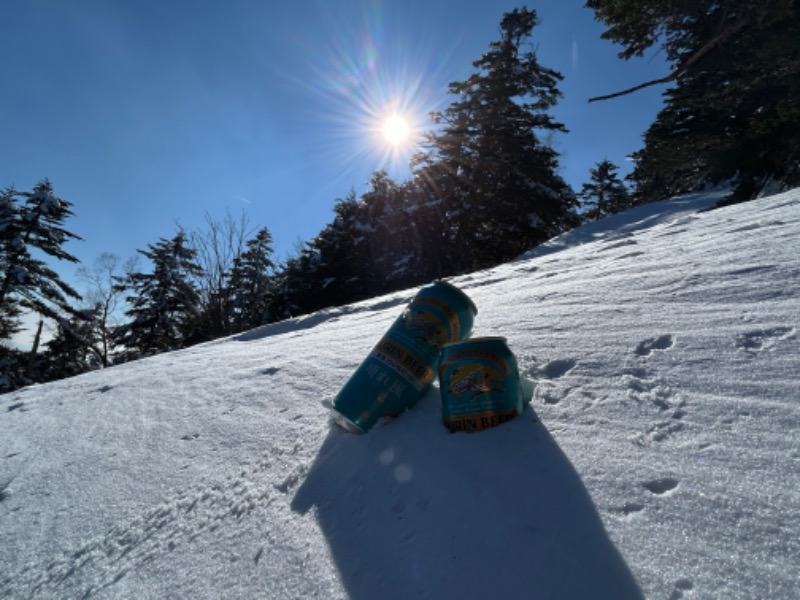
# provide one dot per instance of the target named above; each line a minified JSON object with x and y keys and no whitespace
{"x":363,"y":228}
{"x":48,"y":203}
{"x":660,"y":457}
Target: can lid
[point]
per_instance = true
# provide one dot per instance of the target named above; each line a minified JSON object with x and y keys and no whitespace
{"x":459,"y":292}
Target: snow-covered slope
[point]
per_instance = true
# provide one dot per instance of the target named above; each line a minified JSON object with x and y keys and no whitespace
{"x":660,"y":457}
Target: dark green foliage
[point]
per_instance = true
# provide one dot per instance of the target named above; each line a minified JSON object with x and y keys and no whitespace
{"x":497,"y":180}
{"x":251,"y":284}
{"x":733,"y":112}
{"x":31,"y":224}
{"x":605,"y":194}
{"x":70,"y":351}
{"x":298,"y":287}
{"x":163,"y":304}
{"x":330,"y":270}
{"x":391,"y":238}
{"x":13,"y":369}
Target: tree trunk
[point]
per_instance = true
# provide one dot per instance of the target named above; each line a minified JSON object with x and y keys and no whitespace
{"x":29,"y":370}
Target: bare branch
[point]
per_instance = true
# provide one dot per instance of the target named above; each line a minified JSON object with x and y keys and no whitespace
{"x":710,"y":45}
{"x":666,"y":79}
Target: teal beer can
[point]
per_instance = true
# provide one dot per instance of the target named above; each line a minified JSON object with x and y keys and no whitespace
{"x":480,"y":384}
{"x":401,"y":368}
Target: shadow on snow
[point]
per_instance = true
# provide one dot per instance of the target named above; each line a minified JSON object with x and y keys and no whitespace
{"x":412,"y":511}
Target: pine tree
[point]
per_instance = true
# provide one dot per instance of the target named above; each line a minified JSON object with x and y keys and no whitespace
{"x":337,"y":263}
{"x":31,"y":223}
{"x":498,"y":180}
{"x":733,"y":111}
{"x":297,"y":286}
{"x":163,"y":304}
{"x":10,"y":252}
{"x":605,"y":194}
{"x":251,"y":283}
{"x":71,"y":350}
{"x":386,"y":213}
{"x":12,"y":370}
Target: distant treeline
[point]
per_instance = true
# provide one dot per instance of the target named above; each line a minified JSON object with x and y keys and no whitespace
{"x":485,"y":188}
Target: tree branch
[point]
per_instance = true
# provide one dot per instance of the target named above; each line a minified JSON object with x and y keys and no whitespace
{"x":667,"y":79}
{"x":710,"y":45}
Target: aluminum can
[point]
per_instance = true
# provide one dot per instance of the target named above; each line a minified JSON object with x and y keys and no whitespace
{"x":401,"y":368}
{"x":480,"y":384}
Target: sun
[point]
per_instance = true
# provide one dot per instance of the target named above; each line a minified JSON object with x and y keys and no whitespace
{"x":395,"y":130}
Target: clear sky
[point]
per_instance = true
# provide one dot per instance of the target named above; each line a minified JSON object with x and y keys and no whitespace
{"x":150,"y":112}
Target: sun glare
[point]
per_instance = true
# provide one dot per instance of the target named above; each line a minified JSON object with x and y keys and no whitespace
{"x":395,"y":130}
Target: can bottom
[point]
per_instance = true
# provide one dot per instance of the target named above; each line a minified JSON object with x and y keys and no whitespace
{"x":339,"y":419}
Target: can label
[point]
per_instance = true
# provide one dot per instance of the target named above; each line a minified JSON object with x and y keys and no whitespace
{"x":410,"y":367}
{"x":479,"y":384}
{"x":422,"y":317}
{"x":401,"y":368}
{"x":487,"y":420}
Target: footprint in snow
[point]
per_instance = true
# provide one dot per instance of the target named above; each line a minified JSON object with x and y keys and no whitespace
{"x":682,"y":585}
{"x":661,"y":486}
{"x":556,"y":369}
{"x":629,"y":509}
{"x":753,"y":342}
{"x":662,"y":342}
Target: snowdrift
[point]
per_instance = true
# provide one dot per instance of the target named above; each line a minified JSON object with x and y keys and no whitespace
{"x":660,"y":457}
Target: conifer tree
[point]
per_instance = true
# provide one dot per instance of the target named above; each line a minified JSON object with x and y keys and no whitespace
{"x":337,"y":263}
{"x":163,"y":304}
{"x":251,"y":283}
{"x":31,"y":223}
{"x":605,"y":194}
{"x":498,"y":180}
{"x":733,"y":111}
{"x":298,"y":286}
{"x":385,"y":214}
{"x":71,"y":350}
{"x":11,"y":249}
{"x":12,"y":370}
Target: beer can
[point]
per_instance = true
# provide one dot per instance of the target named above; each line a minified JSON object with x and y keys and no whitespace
{"x":480,"y":384}
{"x":401,"y":368}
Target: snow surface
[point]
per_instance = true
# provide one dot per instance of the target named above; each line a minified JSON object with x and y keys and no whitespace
{"x":660,"y":457}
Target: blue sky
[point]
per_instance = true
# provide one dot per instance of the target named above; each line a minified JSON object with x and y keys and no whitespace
{"x":147,"y":113}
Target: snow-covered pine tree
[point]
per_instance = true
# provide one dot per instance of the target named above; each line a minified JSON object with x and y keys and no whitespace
{"x":30,"y":223}
{"x":163,"y":304}
{"x":251,"y":283}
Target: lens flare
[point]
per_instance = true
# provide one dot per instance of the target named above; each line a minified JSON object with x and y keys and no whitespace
{"x":367,"y":71}
{"x":395,"y":130}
